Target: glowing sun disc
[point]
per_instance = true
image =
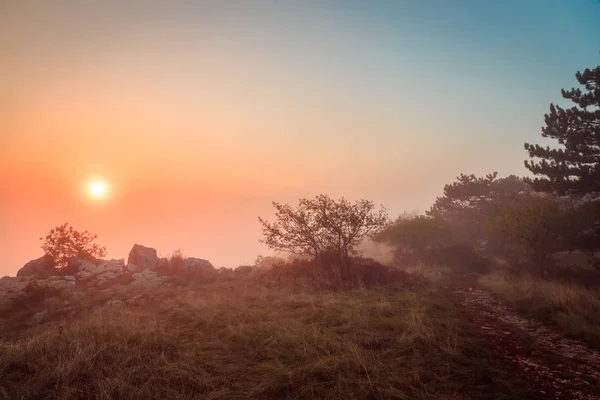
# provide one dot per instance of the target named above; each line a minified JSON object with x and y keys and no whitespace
{"x":97,"y":188}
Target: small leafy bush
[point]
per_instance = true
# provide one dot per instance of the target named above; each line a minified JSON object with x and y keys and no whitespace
{"x":64,"y":243}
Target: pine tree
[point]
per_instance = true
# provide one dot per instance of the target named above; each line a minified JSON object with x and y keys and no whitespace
{"x":574,"y":168}
{"x":467,"y":201}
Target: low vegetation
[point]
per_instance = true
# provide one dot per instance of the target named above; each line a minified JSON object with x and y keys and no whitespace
{"x":574,"y":309}
{"x":242,"y":340}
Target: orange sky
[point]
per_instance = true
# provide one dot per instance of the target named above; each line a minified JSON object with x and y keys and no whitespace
{"x":199,"y":116}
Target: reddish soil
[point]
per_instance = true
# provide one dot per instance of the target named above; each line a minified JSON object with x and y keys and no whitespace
{"x":558,"y":368}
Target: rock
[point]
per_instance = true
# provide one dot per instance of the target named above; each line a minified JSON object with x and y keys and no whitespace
{"x":77,"y":296}
{"x":147,"y":280}
{"x":39,"y":317}
{"x":139,"y":299}
{"x":106,"y":276}
{"x":69,"y":278}
{"x":198,"y":265}
{"x":104,"y":271}
{"x":132,"y":268}
{"x":114,"y":304}
{"x":44,"y":288}
{"x":58,"y":283}
{"x":11,"y":288}
{"x":75,"y":264}
{"x":116,"y":266}
{"x":42,"y":267}
{"x":84,"y":275}
{"x":143,"y":257}
{"x":145,"y":275}
{"x":85,"y":268}
{"x":109,"y":304}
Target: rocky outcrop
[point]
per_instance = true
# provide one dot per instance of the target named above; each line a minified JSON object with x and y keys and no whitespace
{"x":42,"y":267}
{"x":100,"y":274}
{"x":143,"y":257}
{"x":40,"y":286}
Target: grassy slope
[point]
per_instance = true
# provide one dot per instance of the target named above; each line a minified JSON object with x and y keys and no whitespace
{"x":238,"y":340}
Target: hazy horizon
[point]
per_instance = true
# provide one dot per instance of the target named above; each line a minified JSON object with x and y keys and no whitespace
{"x":198,"y":116}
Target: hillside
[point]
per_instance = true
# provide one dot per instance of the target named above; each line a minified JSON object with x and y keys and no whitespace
{"x":248,"y":334}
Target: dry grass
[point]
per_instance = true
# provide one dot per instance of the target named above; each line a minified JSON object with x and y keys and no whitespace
{"x":431,"y":273}
{"x":334,"y":275}
{"x":240,"y":340}
{"x":571,"y":307}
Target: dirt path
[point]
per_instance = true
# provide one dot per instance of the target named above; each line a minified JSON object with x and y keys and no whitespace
{"x":560,"y":368}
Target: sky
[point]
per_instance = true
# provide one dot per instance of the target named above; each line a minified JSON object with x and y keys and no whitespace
{"x":199,"y":114}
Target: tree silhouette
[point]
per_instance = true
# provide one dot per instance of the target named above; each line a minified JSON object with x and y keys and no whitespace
{"x":574,"y":168}
{"x":64,"y":242}
{"x":466,"y":202}
{"x":322,"y":225}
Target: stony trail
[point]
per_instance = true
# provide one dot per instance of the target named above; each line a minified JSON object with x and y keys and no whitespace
{"x":559,"y":368}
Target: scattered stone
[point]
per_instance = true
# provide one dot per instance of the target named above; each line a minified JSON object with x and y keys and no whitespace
{"x":115,"y":303}
{"x":84,"y":275}
{"x":147,"y":280}
{"x":132,"y":268}
{"x":143,"y":257}
{"x":57,"y":282}
{"x":116,"y":266}
{"x":107,"y":276}
{"x":138,"y":299}
{"x":86,"y":269}
{"x":39,"y":317}
{"x":12,"y":288}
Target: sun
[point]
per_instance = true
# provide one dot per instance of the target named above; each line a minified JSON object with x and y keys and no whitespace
{"x":97,"y":188}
